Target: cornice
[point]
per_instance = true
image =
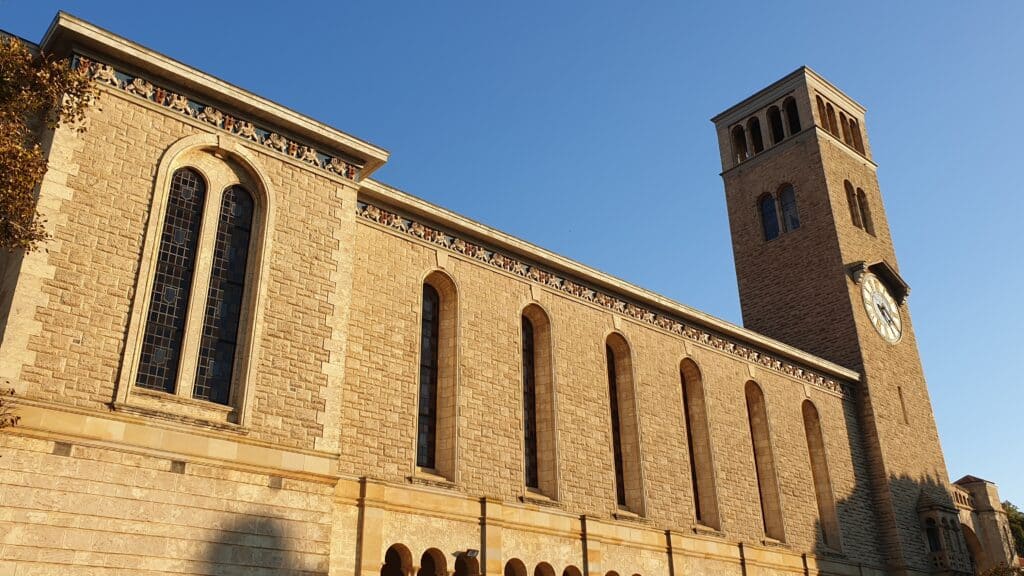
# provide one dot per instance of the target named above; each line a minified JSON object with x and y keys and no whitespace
{"x":68,"y":34}
{"x":424,"y":222}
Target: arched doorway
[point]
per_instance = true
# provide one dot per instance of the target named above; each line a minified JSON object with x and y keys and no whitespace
{"x":466,"y":566}
{"x":433,"y":563}
{"x":397,"y":561}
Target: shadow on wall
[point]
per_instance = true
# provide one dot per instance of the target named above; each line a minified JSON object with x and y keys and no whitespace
{"x":249,"y":545}
{"x":934,"y":540}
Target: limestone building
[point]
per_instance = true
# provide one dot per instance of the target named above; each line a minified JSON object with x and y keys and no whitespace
{"x":241,"y":354}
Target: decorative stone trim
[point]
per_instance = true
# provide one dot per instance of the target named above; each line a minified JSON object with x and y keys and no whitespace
{"x":108,"y":76}
{"x":577,"y":289}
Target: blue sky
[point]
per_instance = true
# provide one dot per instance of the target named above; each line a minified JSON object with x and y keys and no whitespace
{"x":583,"y":127}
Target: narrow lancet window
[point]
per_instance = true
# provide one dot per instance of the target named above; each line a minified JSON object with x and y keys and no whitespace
{"x":820,"y":474}
{"x":613,"y":397}
{"x":865,"y":211}
{"x":426,"y":438}
{"x":769,"y":217}
{"x":764,"y":463}
{"x":790,"y":215}
{"x":530,"y":406}
{"x":168,"y":304}
{"x":739,"y":144}
{"x":851,"y":200}
{"x":792,"y":115}
{"x":224,"y":298}
{"x":754,"y":125}
{"x":698,"y":443}
{"x":775,"y":125}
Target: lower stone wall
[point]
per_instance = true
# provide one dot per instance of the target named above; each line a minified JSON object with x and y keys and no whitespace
{"x":72,"y":509}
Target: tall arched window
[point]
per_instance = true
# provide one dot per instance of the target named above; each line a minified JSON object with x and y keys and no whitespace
{"x":168,"y":303}
{"x":775,"y":125}
{"x":790,"y":215}
{"x":764,"y":463}
{"x":851,"y":200}
{"x":224,"y":299}
{"x":822,"y":113}
{"x":845,"y":128}
{"x":698,"y":444}
{"x":931,"y":529}
{"x":833,"y":126}
{"x":858,"y":141}
{"x":436,"y":431}
{"x":538,"y":403}
{"x":426,"y":435}
{"x":792,"y":115}
{"x":754,"y":126}
{"x":624,"y":425}
{"x":865,"y":212}
{"x":739,"y":144}
{"x":769,"y":217}
{"x":821,"y":477}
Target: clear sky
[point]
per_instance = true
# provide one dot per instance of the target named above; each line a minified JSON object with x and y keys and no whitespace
{"x":582,"y":126}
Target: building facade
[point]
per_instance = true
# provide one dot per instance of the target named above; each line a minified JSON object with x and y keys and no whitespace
{"x":240,"y":354}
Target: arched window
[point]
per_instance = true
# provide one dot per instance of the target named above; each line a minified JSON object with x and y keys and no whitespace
{"x":865,"y":211}
{"x":822,"y":113}
{"x":435,"y":437}
{"x":624,"y":425}
{"x":790,"y":215}
{"x":769,"y":217}
{"x":538,"y":402}
{"x":932,"y":531}
{"x":858,"y":141}
{"x":845,"y":128}
{"x":698,"y":444}
{"x":764,"y":463}
{"x":224,"y":300}
{"x":775,"y":125}
{"x":821,"y":477}
{"x":792,"y":115}
{"x":833,"y":127}
{"x":851,"y":200}
{"x":168,"y":304}
{"x":754,"y":126}
{"x":739,"y":144}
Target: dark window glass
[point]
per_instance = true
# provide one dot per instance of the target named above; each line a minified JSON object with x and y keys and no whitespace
{"x":224,"y":299}
{"x":769,"y":217}
{"x":792,"y":115}
{"x":934,"y":542}
{"x":426,"y":438}
{"x":613,"y":396}
{"x":165,"y":324}
{"x":790,"y":216}
{"x":851,"y":200}
{"x":775,"y":125}
{"x":530,"y":405}
{"x":694,"y":482}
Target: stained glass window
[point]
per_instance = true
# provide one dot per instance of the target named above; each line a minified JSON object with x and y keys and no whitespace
{"x":530,"y":405}
{"x":168,"y":304}
{"x":426,"y":437}
{"x":224,"y":298}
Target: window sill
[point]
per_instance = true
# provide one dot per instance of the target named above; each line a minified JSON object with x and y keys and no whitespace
{"x":535,"y":498}
{"x":157,"y":404}
{"x":430,"y":477}
{"x":629,"y":516}
{"x":705,"y":530}
{"x":773,"y":543}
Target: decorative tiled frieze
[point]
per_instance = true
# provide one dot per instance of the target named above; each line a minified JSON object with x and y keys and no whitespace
{"x":107,"y":75}
{"x":579,"y":290}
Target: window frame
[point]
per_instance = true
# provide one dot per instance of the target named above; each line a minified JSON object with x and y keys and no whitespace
{"x":221,"y":163}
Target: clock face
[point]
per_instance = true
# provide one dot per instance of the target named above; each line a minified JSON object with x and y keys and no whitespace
{"x":881,"y":307}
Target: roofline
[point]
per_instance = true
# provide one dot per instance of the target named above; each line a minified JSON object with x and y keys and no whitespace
{"x":419,"y":207}
{"x":67,"y":32}
{"x":803,"y":70}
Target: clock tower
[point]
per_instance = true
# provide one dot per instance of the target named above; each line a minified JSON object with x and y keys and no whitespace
{"x":817,"y":270}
